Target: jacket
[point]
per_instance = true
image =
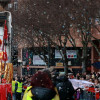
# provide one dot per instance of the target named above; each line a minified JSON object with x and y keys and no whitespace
{"x":18,"y":86}
{"x":13,"y":86}
{"x":64,"y":86}
{"x":19,"y":89}
{"x":40,"y":93}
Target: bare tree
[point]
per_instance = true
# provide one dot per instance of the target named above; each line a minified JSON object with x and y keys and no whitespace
{"x":84,"y":14}
{"x":49,"y":23}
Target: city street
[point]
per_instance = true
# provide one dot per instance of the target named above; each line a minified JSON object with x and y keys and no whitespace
{"x":49,"y":49}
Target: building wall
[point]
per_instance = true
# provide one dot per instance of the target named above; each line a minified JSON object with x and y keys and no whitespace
{"x":95,"y":55}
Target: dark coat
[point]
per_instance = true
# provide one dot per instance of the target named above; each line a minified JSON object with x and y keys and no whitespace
{"x":40,"y":93}
{"x":65,"y":88}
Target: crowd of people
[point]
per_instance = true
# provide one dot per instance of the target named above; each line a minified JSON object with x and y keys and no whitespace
{"x":49,"y":85}
{"x":91,"y":77}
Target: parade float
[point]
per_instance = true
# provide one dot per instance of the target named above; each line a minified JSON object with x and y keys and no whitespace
{"x":6,"y":67}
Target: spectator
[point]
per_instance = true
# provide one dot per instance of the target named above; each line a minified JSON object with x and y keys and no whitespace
{"x":84,"y":75}
{"x":18,"y":89}
{"x":13,"y":88}
{"x":91,"y":80}
{"x":97,"y":83}
{"x":41,"y":88}
{"x":65,"y":87}
{"x":78,"y":76}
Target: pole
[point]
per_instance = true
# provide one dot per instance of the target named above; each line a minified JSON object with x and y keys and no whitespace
{"x":49,"y":54}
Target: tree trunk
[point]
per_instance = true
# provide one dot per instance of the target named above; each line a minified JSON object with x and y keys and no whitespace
{"x":65,"y":61}
{"x":84,"y":59}
{"x":83,"y":66}
{"x":65,"y":67}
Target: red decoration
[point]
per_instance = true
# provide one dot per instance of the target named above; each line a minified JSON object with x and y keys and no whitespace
{"x":5,"y":58}
{"x":97,"y":96}
{"x":29,"y":61}
{"x":5,"y":89}
{"x":0,"y":42}
{"x":27,"y":67}
{"x":3,"y":93}
{"x":1,"y":55}
{"x":4,"y":80}
{"x":5,"y":31}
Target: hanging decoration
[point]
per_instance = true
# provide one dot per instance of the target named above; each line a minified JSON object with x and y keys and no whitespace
{"x":27,"y":67}
{"x":0,"y":42}
{"x":1,"y":55}
{"x":5,"y":31}
{"x":5,"y":58}
{"x":29,"y":61}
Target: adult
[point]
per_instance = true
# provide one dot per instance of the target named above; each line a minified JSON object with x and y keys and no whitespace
{"x":41,"y":88}
{"x":18,"y":89}
{"x":13,"y":88}
{"x":65,"y":88}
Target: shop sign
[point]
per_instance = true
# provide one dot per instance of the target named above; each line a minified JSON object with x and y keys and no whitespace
{"x":58,"y":54}
{"x":37,"y":60}
{"x":59,"y":64}
{"x":71,"y":53}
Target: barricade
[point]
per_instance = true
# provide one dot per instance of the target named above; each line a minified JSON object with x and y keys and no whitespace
{"x":85,"y":90}
{"x":89,"y":94}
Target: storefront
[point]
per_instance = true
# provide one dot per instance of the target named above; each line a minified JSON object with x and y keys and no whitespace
{"x":35,"y":62}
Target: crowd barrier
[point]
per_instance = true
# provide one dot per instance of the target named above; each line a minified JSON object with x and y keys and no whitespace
{"x":89,"y":94}
{"x":85,"y":90}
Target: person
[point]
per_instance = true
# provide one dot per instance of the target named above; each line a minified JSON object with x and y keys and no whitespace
{"x":78,"y":76}
{"x":84,"y":75}
{"x":18,"y":89}
{"x":64,"y":86}
{"x":41,"y":88}
{"x":53,"y":74}
{"x":16,"y":78}
{"x":97,"y":83}
{"x":13,"y":89}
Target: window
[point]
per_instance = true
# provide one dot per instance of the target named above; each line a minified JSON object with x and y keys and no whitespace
{"x":15,"y":6}
{"x":9,"y":6}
